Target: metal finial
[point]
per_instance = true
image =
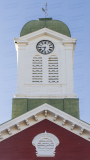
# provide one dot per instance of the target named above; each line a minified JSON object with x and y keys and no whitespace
{"x":45,"y":10}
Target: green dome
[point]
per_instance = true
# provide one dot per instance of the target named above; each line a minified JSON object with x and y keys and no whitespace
{"x":54,"y":25}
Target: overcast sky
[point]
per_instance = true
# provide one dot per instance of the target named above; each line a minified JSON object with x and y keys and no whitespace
{"x":13,"y":15}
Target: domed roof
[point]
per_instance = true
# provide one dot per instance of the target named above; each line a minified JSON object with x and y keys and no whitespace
{"x":54,"y":25}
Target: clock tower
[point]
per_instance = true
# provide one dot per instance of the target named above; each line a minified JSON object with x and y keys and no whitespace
{"x":45,"y":63}
{"x":45,"y":110}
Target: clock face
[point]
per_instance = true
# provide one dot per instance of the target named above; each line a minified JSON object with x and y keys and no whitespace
{"x":45,"y":47}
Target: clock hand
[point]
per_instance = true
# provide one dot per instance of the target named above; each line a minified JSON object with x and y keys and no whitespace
{"x":44,"y":48}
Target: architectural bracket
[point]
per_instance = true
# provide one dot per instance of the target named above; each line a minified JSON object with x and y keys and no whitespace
{"x":45,"y":113}
{"x":9,"y":131}
{"x":55,"y":117}
{"x":35,"y":117}
{"x":64,"y":121}
{"x":1,"y":136}
{"x":82,"y":130}
{"x":18,"y":126}
{"x":26,"y":121}
{"x":73,"y":125}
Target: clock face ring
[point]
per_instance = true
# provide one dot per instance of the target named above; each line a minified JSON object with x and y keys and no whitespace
{"x":45,"y":47}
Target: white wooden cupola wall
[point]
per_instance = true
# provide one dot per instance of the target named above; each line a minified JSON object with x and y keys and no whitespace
{"x":45,"y":76}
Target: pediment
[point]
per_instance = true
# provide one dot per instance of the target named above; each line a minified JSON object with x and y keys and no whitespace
{"x":43,"y":112}
{"x":45,"y":31}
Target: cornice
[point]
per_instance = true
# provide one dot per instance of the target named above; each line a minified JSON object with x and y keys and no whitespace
{"x":45,"y":31}
{"x":40,"y":113}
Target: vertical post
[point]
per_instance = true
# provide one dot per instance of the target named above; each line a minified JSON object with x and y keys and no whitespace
{"x":45,"y":9}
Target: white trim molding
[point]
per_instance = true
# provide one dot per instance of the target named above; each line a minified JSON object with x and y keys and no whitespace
{"x":45,"y":144}
{"x":43,"y":112}
{"x":45,"y":31}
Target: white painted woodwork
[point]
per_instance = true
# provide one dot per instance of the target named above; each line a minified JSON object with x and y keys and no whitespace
{"x":38,"y":114}
{"x":45,"y":76}
{"x":45,"y":144}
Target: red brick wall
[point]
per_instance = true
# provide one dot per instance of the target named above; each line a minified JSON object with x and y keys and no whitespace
{"x":19,"y":146}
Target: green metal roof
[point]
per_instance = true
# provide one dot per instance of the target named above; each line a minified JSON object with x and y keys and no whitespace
{"x":54,"y":25}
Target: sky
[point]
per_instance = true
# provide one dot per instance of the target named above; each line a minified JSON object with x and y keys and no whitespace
{"x":13,"y":16}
